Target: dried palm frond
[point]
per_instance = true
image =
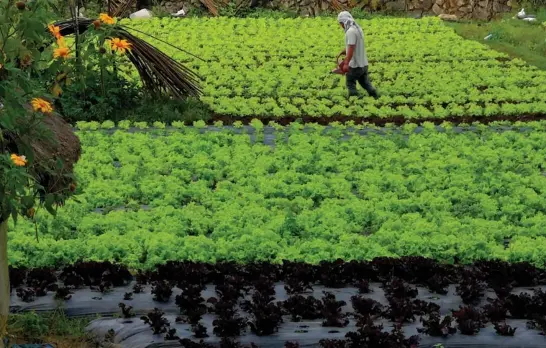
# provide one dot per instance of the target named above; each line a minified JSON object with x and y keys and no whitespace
{"x":119,"y":8}
{"x":159,"y":72}
{"x":211,"y":6}
{"x":336,"y":5}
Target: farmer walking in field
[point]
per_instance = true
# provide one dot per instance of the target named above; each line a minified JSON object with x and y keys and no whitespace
{"x":355,"y":65}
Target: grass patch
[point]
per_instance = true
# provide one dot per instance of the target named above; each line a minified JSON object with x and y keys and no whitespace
{"x":517,"y":38}
{"x":53,"y":327}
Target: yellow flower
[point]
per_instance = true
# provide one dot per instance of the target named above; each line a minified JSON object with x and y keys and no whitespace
{"x":55,"y":31}
{"x":120,"y":45}
{"x":62,"y":52}
{"x":19,"y":161}
{"x":39,"y":104}
{"x":106,"y":19}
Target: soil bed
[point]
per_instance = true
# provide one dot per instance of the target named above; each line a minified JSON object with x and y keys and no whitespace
{"x":378,"y":121}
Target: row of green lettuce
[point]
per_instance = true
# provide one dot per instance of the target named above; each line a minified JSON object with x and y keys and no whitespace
{"x":421,"y":68}
{"x":149,"y":197}
{"x":256,"y":124}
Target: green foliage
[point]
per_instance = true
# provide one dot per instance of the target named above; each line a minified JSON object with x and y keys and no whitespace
{"x":93,"y":99}
{"x":88,"y":99}
{"x":92,"y":8}
{"x":232,"y":9}
{"x":421,"y":68}
{"x":95,"y":86}
{"x":169,"y":111}
{"x":22,"y":39}
{"x":516,"y":38}
{"x":33,"y":326}
{"x":317,"y":194}
{"x":266,"y":13}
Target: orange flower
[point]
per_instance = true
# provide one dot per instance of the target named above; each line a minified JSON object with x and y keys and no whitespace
{"x":120,"y":45}
{"x":39,"y":104}
{"x":106,"y":19}
{"x":61,"y":42}
{"x":55,"y":31}
{"x":62,"y":52}
{"x":19,"y":161}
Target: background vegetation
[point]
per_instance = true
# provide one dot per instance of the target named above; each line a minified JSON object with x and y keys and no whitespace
{"x":517,"y":38}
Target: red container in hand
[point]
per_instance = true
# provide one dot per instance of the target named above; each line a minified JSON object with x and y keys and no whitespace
{"x":339,"y":69}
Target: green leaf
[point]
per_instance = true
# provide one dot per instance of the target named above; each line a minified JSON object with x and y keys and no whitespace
{"x":49,"y":202}
{"x":14,"y":215}
{"x":27,"y":201}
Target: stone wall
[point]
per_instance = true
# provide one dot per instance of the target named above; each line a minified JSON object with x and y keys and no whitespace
{"x":479,"y":9}
{"x":464,"y":9}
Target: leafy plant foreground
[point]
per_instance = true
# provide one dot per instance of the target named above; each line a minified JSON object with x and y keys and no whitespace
{"x":450,"y":194}
{"x":249,"y":300}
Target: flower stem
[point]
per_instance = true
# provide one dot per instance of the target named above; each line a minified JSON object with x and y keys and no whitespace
{"x":4,"y":281}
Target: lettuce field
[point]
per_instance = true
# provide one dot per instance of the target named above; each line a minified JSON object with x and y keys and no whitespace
{"x":309,"y":219}
{"x":312,"y":194}
{"x":275,"y":68}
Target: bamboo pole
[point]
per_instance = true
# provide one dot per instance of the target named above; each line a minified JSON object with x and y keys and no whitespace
{"x":4,"y":282}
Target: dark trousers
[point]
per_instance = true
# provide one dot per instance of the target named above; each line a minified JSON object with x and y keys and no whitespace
{"x":361,"y":76}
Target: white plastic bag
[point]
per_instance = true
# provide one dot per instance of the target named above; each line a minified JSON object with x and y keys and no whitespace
{"x":180,"y":13}
{"x":142,"y":14}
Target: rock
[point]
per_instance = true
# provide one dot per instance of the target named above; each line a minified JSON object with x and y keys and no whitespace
{"x":465,"y":9}
{"x":417,"y":14}
{"x":427,"y":5}
{"x":142,"y":14}
{"x":461,"y":3}
{"x":399,"y":5}
{"x":437,"y":9}
{"x":499,"y":7}
{"x":481,"y":13}
{"x":478,"y":9}
{"x":448,"y":17}
{"x":324,"y":5}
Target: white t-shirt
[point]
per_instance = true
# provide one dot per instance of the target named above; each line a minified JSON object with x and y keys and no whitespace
{"x":360,"y":58}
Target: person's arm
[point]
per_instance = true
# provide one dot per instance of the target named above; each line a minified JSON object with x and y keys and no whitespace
{"x":351,"y":43}
{"x":350,"y":51}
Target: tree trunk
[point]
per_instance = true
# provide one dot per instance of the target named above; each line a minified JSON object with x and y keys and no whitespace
{"x":4,"y":281}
